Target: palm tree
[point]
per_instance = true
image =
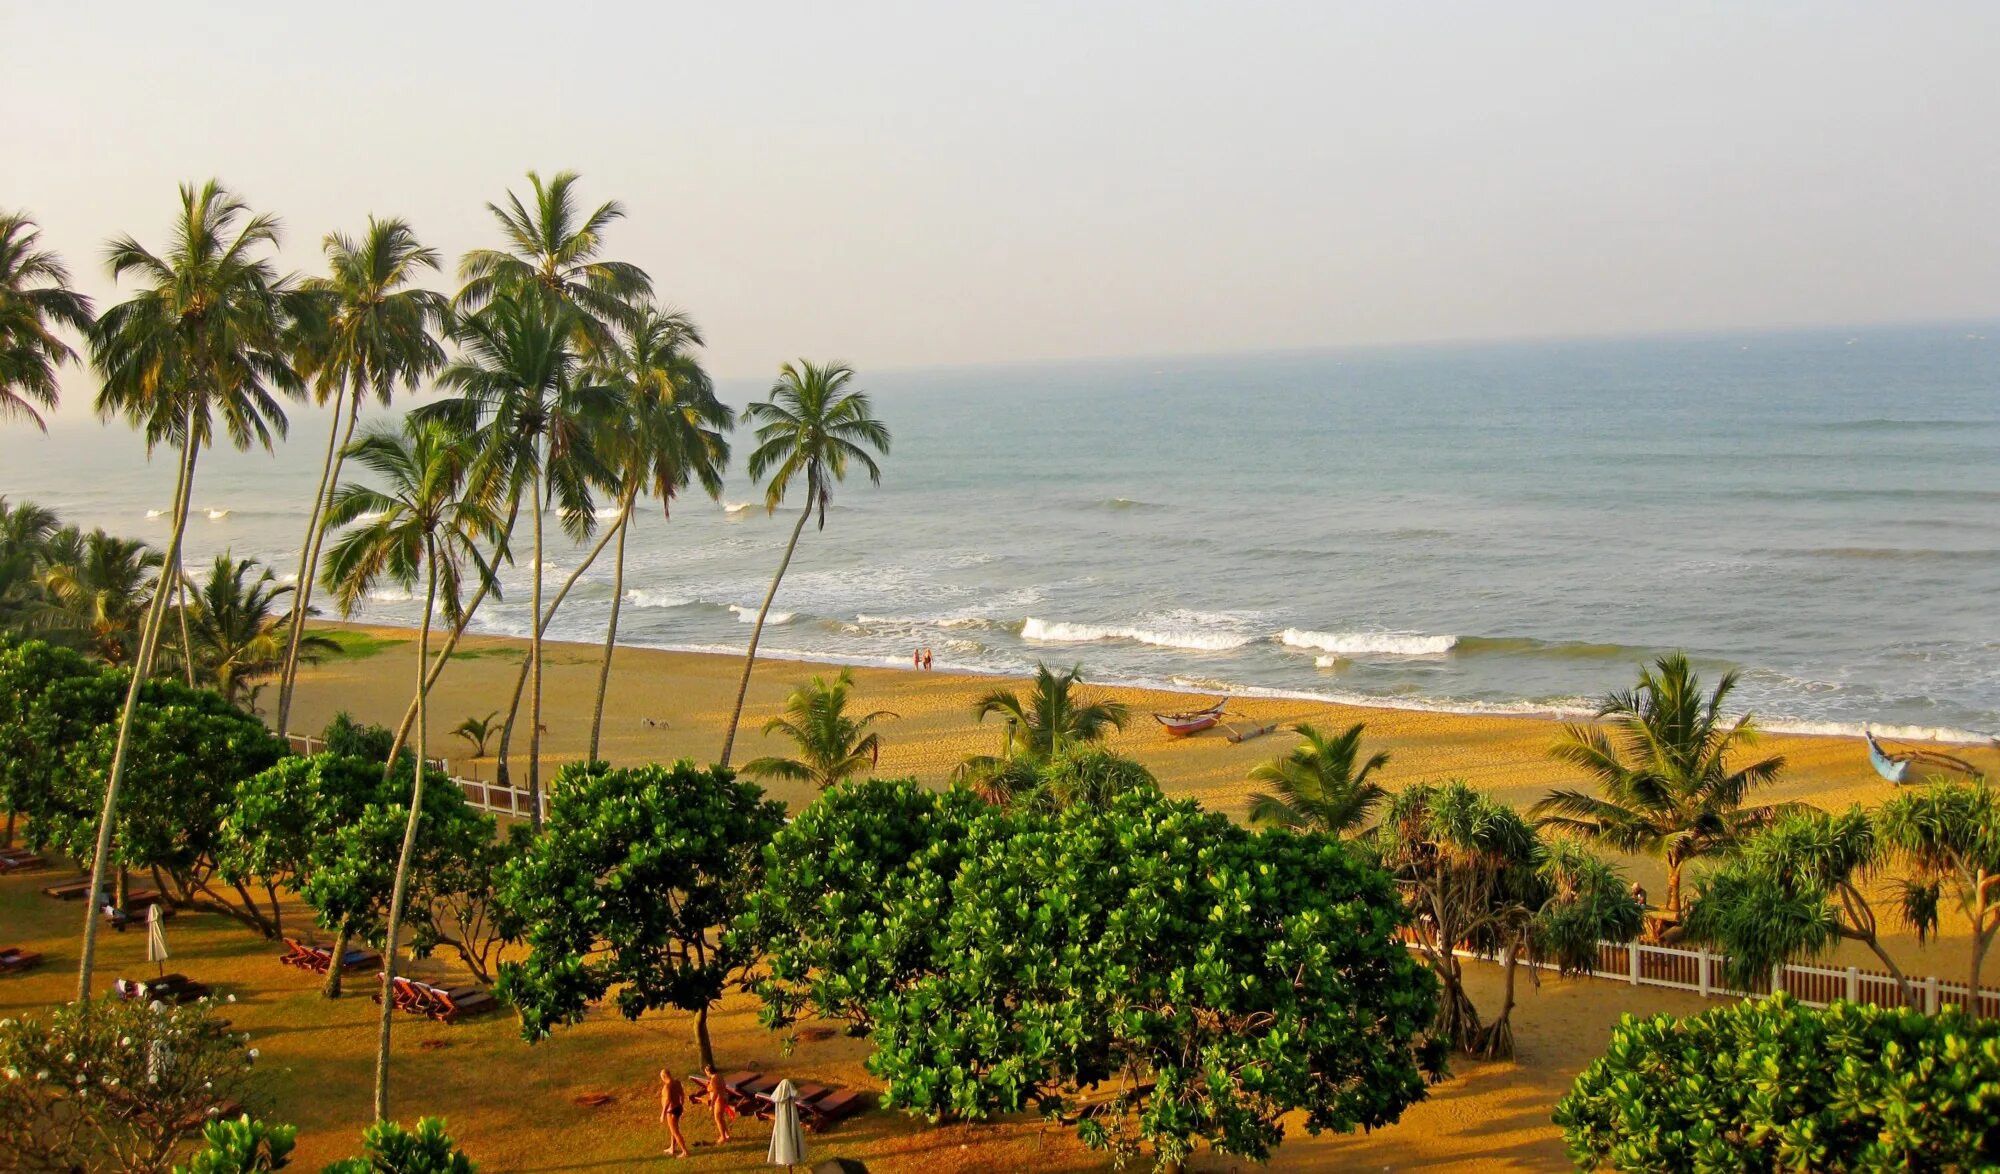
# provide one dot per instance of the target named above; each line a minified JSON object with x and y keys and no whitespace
{"x":205,"y":337}
{"x":1051,"y":717}
{"x":25,"y":530}
{"x":35,"y":298}
{"x":236,"y":631}
{"x":672,"y":435}
{"x":1318,"y":788}
{"x":1948,"y":838}
{"x":97,"y":588}
{"x":477,"y":731}
{"x":372,"y":330}
{"x":1663,"y":774}
{"x":551,"y":248}
{"x":810,"y":429}
{"x":424,"y":528}
{"x":833,"y":747}
{"x":521,"y":407}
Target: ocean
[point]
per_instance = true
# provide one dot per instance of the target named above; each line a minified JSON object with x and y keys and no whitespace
{"x":1488,"y":528}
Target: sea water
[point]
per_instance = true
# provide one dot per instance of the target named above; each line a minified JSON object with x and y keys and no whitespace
{"x":1504,"y":527}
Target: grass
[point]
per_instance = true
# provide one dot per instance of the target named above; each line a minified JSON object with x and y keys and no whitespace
{"x":358,"y":645}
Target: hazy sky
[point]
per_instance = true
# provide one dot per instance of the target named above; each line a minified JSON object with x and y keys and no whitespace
{"x":946,"y":183}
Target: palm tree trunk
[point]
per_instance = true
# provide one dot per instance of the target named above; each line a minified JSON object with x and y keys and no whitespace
{"x":401,"y":886}
{"x":611,"y":627}
{"x":535,"y":671}
{"x":142,"y":665}
{"x":757,"y":633}
{"x":329,"y":479}
{"x":542,"y":626}
{"x":451,"y":642}
{"x":181,"y":609}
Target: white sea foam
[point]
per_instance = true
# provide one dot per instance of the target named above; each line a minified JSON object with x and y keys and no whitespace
{"x":642,"y":597}
{"x":1946,"y":734}
{"x":217,"y":515}
{"x":1351,"y":644}
{"x":874,"y":621}
{"x":1060,"y":632}
{"x":734,"y":508}
{"x":156,"y":513}
{"x":748,"y":615}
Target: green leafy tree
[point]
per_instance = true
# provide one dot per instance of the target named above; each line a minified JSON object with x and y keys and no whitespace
{"x":388,"y":1148}
{"x":1947,"y":838}
{"x":633,"y":887}
{"x":1769,"y":1085}
{"x":243,"y":1146}
{"x":833,"y":747}
{"x":670,"y":437}
{"x":116,"y":1084}
{"x":811,"y":429}
{"x":1241,"y":976}
{"x":35,"y":301}
{"x":1479,"y":879}
{"x":205,"y":337}
{"x":1794,"y":890}
{"x":1318,"y":787}
{"x":855,"y":890}
{"x":237,"y":631}
{"x":38,"y":724}
{"x":1666,"y":782}
{"x":371,"y":330}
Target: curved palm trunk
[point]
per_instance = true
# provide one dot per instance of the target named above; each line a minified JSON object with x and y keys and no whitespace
{"x":451,"y":642}
{"x":611,"y":628}
{"x":401,"y":887}
{"x":181,"y":611}
{"x":142,"y":665}
{"x":331,"y":988}
{"x":329,"y":481}
{"x":542,"y":627}
{"x":757,"y":633}
{"x":535,"y":667}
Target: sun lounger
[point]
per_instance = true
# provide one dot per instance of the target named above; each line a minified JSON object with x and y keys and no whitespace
{"x":298,"y":955}
{"x":354,"y":959}
{"x":13,"y":958}
{"x":803,"y":1095}
{"x":733,"y":1081}
{"x":451,"y":1006}
{"x":20,"y":860}
{"x":822,"y":1114}
{"x":68,"y":890}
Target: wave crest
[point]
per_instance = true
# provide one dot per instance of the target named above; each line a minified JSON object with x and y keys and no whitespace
{"x":1059,"y":632}
{"x":748,"y":615}
{"x":1369,"y":643}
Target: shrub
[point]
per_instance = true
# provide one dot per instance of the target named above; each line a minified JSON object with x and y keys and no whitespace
{"x":388,"y":1148}
{"x":115,"y":1084}
{"x":1774,"y":1085}
{"x":242,"y":1146}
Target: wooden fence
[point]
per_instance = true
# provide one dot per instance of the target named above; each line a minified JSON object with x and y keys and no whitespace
{"x":485,"y":796}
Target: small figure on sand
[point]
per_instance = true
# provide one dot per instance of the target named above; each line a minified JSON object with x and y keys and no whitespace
{"x":927,"y":660}
{"x":718,"y":1100}
{"x":917,"y":658}
{"x":673,"y":1100}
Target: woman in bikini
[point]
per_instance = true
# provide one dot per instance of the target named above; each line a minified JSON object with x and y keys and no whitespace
{"x":673,"y":1100}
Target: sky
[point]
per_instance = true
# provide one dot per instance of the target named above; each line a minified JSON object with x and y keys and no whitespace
{"x":941,"y":184}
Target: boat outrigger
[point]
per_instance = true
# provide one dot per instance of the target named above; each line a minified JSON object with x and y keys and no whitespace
{"x":1895,"y":765}
{"x":1180,"y":725}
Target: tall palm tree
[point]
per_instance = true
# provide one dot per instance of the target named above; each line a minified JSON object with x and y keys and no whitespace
{"x":810,"y":429}
{"x":98,"y":588}
{"x":237,"y":631}
{"x":425,"y":528}
{"x":204,"y":337}
{"x":372,"y":330}
{"x":670,"y":436}
{"x":1318,"y":787}
{"x":533,"y":423}
{"x":1051,"y":717}
{"x":833,"y":747}
{"x":1666,"y":786}
{"x":551,"y":247}
{"x":35,"y":298}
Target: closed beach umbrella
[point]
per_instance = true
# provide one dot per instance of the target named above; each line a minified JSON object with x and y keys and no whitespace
{"x":788,"y":1137}
{"x":156,"y":938}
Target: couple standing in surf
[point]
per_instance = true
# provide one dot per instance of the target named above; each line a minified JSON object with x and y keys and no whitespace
{"x":921,"y":659}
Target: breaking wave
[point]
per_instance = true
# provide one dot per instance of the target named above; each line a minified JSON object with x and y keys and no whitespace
{"x":1348,"y":644}
{"x":748,"y":615}
{"x":1058,"y":632}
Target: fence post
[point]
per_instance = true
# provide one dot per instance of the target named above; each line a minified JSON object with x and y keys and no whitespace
{"x":1854,"y":984}
{"x":1701,"y":960}
{"x":1632,"y":952}
{"x":1930,"y":995}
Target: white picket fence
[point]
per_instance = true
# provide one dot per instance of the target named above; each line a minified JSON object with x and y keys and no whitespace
{"x":1697,"y":971}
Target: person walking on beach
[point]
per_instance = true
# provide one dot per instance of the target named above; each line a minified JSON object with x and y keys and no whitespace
{"x":927,"y":660}
{"x":916,"y":658}
{"x":718,"y":1100}
{"x":673,"y":1100}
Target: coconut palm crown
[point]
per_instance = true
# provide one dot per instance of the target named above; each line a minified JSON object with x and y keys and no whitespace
{"x":1661,"y":757}
{"x":1317,"y":785}
{"x":833,"y":746}
{"x":1051,"y":716}
{"x":35,"y":299}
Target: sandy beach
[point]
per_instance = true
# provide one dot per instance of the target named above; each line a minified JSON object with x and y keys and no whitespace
{"x":686,"y":698}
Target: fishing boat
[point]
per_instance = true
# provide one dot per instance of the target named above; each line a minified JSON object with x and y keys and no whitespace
{"x":1895,"y":765}
{"x":1180,"y":725}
